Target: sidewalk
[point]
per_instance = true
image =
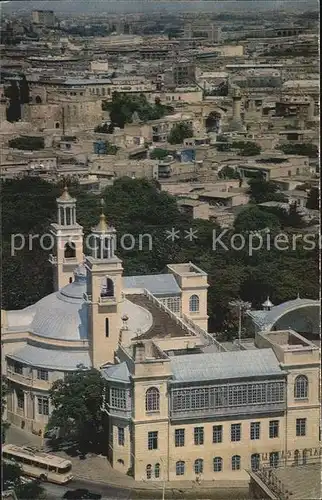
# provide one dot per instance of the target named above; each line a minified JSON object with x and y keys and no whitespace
{"x":97,"y":469}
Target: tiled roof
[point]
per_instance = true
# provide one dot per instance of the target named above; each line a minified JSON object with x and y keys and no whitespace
{"x":157,"y":284}
{"x":225,"y":365}
{"x":118,"y":373}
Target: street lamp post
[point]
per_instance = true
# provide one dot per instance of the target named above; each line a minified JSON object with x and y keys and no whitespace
{"x":241,"y":306}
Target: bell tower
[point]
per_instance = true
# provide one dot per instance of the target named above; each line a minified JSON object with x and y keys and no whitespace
{"x":68,"y":237}
{"x":104,"y":293}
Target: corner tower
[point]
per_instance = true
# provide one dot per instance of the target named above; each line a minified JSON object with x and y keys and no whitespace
{"x":104,"y":294}
{"x":68,"y":237}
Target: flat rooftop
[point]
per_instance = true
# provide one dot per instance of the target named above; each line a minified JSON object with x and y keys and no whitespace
{"x":186,"y":269}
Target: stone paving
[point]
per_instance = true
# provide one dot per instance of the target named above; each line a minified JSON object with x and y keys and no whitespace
{"x":97,"y":469}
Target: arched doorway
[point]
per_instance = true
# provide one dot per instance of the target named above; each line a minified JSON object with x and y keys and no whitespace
{"x":213,"y":122}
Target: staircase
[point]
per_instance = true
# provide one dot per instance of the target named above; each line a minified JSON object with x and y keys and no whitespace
{"x":164,"y":325}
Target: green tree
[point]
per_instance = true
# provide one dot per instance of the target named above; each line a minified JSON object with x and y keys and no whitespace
{"x":304,"y":148}
{"x":222,"y":143}
{"x":27,"y":143}
{"x":24,"y":90}
{"x":77,"y":402}
{"x":313,"y":199}
{"x":261,"y":191}
{"x":228,"y":173}
{"x":14,"y":108}
{"x":254,"y":219}
{"x":12,"y":480}
{"x":179,"y":132}
{"x":4,"y":424}
{"x":159,"y":154}
{"x":247,"y":148}
{"x":123,"y":106}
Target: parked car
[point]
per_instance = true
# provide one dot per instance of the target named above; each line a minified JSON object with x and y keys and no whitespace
{"x":81,"y":494}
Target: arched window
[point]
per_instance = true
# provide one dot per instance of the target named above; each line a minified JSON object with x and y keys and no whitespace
{"x":70,"y":251}
{"x":57,"y":125}
{"x":149,"y":471}
{"x":304,"y":457}
{"x":38,"y":99}
{"x":70,"y":280}
{"x":180,"y":468}
{"x":301,"y":387}
{"x":157,"y":470}
{"x":152,"y":399}
{"x":107,"y":288}
{"x":199,"y":466}
{"x":296,"y":457}
{"x":235,"y":462}
{"x":217,"y":464}
{"x":194,"y":303}
{"x":254,"y":461}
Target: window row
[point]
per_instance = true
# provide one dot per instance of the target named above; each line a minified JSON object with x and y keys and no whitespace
{"x":227,"y":396}
{"x":42,"y":403}
{"x":235,"y":432}
{"x":218,"y":464}
{"x":18,"y":368}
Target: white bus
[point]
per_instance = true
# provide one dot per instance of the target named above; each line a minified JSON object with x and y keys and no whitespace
{"x":37,"y":464}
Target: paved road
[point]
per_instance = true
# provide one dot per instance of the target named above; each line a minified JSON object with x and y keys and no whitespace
{"x":55,"y":492}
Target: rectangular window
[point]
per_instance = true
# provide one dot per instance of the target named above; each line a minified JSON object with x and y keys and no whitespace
{"x":21,"y":400}
{"x":153,"y":440}
{"x":301,"y":426}
{"x":43,"y":405}
{"x":107,"y":328}
{"x":42,"y":374}
{"x":120,"y":436}
{"x":179,"y":437}
{"x":235,"y":432}
{"x":118,"y":398}
{"x":198,"y":435}
{"x":255,"y":430}
{"x":18,"y":368}
{"x":217,"y":434}
{"x":273,"y":459}
{"x":273,"y":428}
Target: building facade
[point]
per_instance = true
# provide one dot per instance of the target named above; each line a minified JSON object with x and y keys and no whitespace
{"x":180,"y":404}
{"x":214,"y":415}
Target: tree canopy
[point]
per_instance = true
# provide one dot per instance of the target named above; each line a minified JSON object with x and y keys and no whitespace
{"x":253,"y":218}
{"x":124,"y":106}
{"x":305,"y":149}
{"x":261,"y":191}
{"x":77,"y":402}
{"x":138,"y":207}
{"x":247,"y":148}
{"x":12,"y":480}
{"x":28,"y":143}
{"x":179,"y":132}
{"x":159,"y":154}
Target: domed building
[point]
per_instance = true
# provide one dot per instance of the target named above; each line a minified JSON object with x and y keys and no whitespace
{"x":180,"y":405}
{"x":92,"y":311}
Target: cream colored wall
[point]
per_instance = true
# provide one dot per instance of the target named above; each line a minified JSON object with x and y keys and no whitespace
{"x":63,"y":270}
{"x":121,"y":452}
{"x":102,"y":347}
{"x":209,"y":450}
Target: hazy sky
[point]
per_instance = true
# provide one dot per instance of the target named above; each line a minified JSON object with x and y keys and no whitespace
{"x":132,"y":6}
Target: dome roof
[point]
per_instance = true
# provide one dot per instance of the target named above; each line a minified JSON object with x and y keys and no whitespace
{"x":63,"y":315}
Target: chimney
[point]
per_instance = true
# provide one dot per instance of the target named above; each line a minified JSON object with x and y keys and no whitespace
{"x":139,"y":352}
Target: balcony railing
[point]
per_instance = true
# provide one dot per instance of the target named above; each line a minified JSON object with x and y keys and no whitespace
{"x":52,"y":259}
{"x":19,"y":377}
{"x":103,"y":300}
{"x":70,"y":260}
